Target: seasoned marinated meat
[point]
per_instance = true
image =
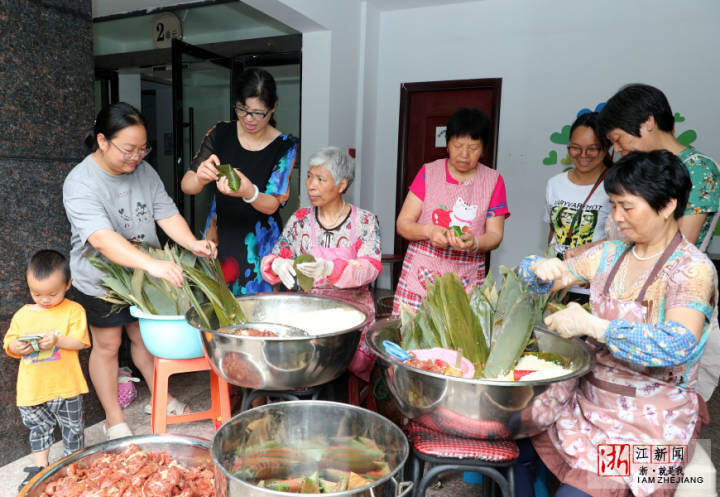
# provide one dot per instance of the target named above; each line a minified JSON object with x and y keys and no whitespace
{"x":134,"y":473}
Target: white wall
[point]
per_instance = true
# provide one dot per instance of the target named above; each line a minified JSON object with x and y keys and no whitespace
{"x":330,"y":83}
{"x":555,"y":57}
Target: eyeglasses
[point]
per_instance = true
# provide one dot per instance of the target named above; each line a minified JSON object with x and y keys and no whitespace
{"x":255,"y":115}
{"x":136,"y":154}
{"x":577,"y":151}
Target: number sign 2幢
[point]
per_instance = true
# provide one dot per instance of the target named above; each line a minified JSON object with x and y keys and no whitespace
{"x":166,"y":26}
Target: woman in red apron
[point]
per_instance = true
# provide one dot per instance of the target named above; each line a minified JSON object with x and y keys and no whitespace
{"x":344,"y":239}
{"x":652,"y":301}
{"x":457,"y":193}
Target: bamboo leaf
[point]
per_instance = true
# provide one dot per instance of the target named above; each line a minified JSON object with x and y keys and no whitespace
{"x":305,"y":282}
{"x":510,"y":292}
{"x":455,"y":309}
{"x":225,"y":305}
{"x":489,"y":290}
{"x":136,"y":284}
{"x":163,"y":303}
{"x":196,"y":305}
{"x":512,"y":336}
{"x":484,"y":312}
{"x":233,"y":178}
{"x":408,"y":328}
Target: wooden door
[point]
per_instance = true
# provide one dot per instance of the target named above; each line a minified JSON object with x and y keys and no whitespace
{"x":426,"y":107}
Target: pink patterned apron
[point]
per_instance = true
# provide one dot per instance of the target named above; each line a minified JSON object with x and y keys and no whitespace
{"x":363,"y":360}
{"x":447,"y":204}
{"x":620,"y":403}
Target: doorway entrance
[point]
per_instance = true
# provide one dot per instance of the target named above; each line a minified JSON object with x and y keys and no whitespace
{"x":186,"y":89}
{"x":424,"y":111}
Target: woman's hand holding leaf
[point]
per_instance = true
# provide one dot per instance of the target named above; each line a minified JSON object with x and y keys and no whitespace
{"x":552,"y":269}
{"x":166,"y":270}
{"x":285,"y":271}
{"x":437,"y":236}
{"x":203,"y":248}
{"x":206,"y":171}
{"x":464,"y":241}
{"x":318,"y":269}
{"x":244,"y":187}
{"x":574,"y":321}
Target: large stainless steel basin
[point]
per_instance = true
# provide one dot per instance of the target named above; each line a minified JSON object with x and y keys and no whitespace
{"x":490,"y":409}
{"x":187,"y":451}
{"x":291,"y":423}
{"x":285,"y":362}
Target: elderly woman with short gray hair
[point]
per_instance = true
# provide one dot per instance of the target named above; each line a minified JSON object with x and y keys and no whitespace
{"x":344,"y":239}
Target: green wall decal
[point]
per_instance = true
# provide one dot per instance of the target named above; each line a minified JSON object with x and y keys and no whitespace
{"x":551,"y":158}
{"x":562,"y":138}
{"x":687,"y":138}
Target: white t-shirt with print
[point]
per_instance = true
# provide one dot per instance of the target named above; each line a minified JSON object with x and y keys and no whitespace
{"x":563,"y":200}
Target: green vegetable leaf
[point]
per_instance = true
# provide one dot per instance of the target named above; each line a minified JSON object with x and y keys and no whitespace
{"x":484,"y":312}
{"x":305,"y":282}
{"x":233,"y":178}
{"x":512,"y":337}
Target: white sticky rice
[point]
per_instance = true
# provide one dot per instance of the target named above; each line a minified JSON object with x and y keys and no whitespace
{"x":322,"y":321}
{"x":542,"y":369}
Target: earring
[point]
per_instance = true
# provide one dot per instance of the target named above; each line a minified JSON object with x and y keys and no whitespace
{"x":667,"y":217}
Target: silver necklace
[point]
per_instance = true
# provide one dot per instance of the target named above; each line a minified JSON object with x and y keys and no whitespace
{"x":648,"y":257}
{"x":337,"y":218}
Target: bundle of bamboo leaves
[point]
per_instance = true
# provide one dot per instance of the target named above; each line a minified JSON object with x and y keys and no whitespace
{"x":490,"y":328}
{"x":203,"y":282}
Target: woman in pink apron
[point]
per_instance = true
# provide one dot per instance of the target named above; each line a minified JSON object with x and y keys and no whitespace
{"x":652,"y":301}
{"x":344,"y":239}
{"x":457,"y":193}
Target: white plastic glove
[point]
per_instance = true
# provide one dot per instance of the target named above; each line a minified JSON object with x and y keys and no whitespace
{"x":574,"y":321}
{"x":552,"y":269}
{"x":317,"y":270}
{"x":285,"y":271}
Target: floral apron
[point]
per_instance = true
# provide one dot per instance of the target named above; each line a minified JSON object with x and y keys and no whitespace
{"x":620,"y":403}
{"x":363,"y":360}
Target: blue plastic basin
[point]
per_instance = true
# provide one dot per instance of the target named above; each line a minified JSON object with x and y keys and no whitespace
{"x":168,"y":337}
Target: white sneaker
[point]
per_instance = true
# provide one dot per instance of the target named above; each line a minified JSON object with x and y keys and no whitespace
{"x":117,"y":431}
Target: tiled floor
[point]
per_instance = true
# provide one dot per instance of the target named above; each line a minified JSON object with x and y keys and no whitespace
{"x":192,"y":388}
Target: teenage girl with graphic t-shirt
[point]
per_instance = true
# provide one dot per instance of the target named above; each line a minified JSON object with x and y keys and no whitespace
{"x":577,"y":204}
{"x":455,"y":192}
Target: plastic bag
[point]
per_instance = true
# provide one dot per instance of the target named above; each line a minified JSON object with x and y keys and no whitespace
{"x":126,"y":387}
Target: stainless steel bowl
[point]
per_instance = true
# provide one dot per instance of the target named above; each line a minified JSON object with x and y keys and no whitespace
{"x":286,"y":362}
{"x":480,"y":408}
{"x":302,"y":420}
{"x":187,"y":451}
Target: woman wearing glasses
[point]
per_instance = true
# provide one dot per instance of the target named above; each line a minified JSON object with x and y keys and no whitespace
{"x":113,"y":198}
{"x":571,"y":195}
{"x":577,"y":205}
{"x":245,"y":224}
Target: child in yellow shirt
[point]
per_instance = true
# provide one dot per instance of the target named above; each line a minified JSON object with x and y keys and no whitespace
{"x":46,"y":337}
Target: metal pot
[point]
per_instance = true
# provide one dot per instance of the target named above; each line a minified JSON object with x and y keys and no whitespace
{"x":285,"y":362}
{"x":482,"y":408}
{"x":187,"y":451}
{"x":304,"y":420}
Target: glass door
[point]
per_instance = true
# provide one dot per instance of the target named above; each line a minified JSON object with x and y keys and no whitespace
{"x":201,"y":97}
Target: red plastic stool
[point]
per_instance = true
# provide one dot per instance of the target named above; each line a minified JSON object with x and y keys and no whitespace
{"x":450,"y":453}
{"x":219,"y":410}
